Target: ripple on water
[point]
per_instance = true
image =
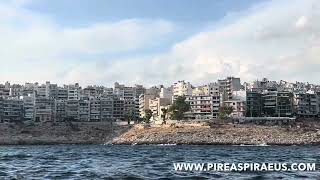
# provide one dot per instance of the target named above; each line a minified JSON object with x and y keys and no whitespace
{"x":144,"y":162}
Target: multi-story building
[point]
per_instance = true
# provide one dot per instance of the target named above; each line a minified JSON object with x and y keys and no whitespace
{"x":11,"y":110}
{"x":16,"y":90}
{"x":93,"y":91}
{"x":155,"y":106}
{"x":254,"y":104}
{"x":277,"y":103}
{"x":269,"y":99}
{"x":74,"y":91}
{"x":227,"y":86}
{"x":181,"y":88}
{"x":72,"y":109}
{"x":238,"y":106}
{"x":29,"y":106}
{"x":62,"y":93}
{"x":139,"y":90}
{"x":44,"y":110}
{"x":53,"y":91}
{"x":118,"y":108}
{"x":144,"y":103}
{"x":4,"y":90}
{"x":165,"y":93}
{"x":84,"y":109}
{"x":42,"y":91}
{"x":285,"y":104}
{"x":306,"y":104}
{"x":203,"y":106}
{"x":106,"y":108}
{"x":130,"y":98}
{"x":154,"y":91}
{"x":60,"y":107}
{"x":95,"y":109}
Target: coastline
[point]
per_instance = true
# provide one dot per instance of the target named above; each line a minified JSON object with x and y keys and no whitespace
{"x":59,"y":133}
{"x":227,"y":134}
{"x":190,"y":133}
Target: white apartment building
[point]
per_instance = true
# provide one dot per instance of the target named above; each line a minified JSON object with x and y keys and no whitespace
{"x":155,"y":106}
{"x":181,"y":88}
{"x":203,"y":106}
{"x":144,"y":103}
{"x":211,"y":89}
{"x":306,"y":104}
{"x":73,"y":91}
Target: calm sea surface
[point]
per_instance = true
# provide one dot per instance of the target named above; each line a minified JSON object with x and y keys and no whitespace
{"x":145,"y":162}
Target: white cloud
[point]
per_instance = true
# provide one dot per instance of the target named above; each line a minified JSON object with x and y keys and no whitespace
{"x":302,"y":22}
{"x":34,"y":47}
{"x":277,"y":39}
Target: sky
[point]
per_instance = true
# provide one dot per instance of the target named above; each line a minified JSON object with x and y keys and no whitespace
{"x":158,"y":42}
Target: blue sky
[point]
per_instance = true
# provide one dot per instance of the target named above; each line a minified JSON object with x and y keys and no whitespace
{"x":85,"y":12}
{"x":189,"y":16}
{"x":158,"y":42}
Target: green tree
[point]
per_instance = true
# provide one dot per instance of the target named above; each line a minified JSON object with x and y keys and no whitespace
{"x":178,"y":108}
{"x":164,"y":114}
{"x":148,"y":115}
{"x":225,"y":111}
{"x":130,"y":116}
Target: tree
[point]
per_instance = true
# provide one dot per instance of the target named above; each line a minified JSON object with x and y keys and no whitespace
{"x":130,"y":116}
{"x":148,"y":115}
{"x":178,"y":108}
{"x":164,"y":114}
{"x":225,"y":111}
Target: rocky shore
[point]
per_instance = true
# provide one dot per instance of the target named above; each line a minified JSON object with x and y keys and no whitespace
{"x":59,"y":133}
{"x":176,"y":133}
{"x":227,"y":134}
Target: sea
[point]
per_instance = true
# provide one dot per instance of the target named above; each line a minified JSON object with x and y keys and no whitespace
{"x":148,"y":161}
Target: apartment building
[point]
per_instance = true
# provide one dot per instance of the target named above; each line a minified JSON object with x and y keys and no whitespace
{"x":29,"y":106}
{"x":306,"y":104}
{"x":156,"y":104}
{"x":203,"y":106}
{"x":60,"y":107}
{"x":44,"y":110}
{"x":4,"y":90}
{"x":277,"y":103}
{"x":118,"y":108}
{"x":238,"y":106}
{"x":72,"y":109}
{"x":16,"y":90}
{"x":11,"y":110}
{"x":144,"y":103}
{"x":181,"y":88}
{"x":95,"y":109}
{"x":254,"y":104}
{"x":74,"y":91}
{"x":93,"y":91}
{"x":107,"y":108}
{"x":227,"y":86}
{"x":84,"y":109}
{"x":62,"y":93}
